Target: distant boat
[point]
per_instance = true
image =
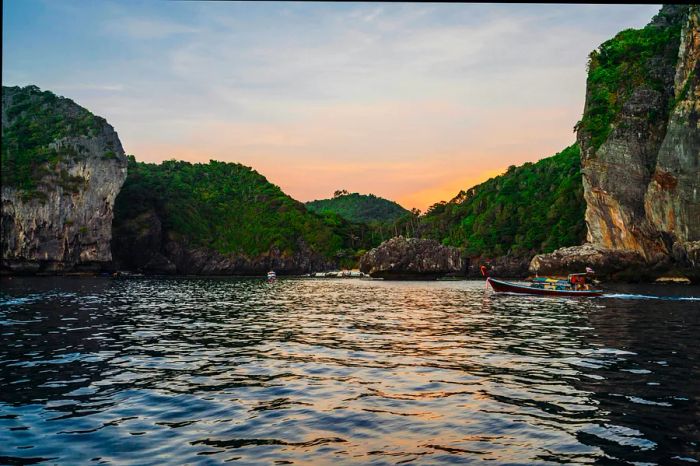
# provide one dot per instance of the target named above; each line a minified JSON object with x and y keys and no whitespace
{"x":271,"y":276}
{"x":545,"y":286}
{"x":339,"y":274}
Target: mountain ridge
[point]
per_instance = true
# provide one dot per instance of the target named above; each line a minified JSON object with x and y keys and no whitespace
{"x":362,"y":208}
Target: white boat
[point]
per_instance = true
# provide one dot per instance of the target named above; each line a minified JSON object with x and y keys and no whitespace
{"x":271,"y":275}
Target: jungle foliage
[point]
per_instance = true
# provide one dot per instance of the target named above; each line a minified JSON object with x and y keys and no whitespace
{"x":537,"y":207}
{"x":233,"y":209}
{"x":621,"y":64}
{"x":32,"y":120}
{"x":355,"y":207}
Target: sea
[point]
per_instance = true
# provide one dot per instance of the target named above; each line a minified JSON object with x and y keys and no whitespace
{"x":152,"y":371}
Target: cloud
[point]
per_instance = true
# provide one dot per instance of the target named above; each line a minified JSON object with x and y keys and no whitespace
{"x":347,"y":145}
{"x":407,"y":101}
{"x":87,"y":87}
{"x":148,"y":28}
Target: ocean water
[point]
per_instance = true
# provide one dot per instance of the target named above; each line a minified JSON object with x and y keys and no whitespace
{"x":322,"y":371}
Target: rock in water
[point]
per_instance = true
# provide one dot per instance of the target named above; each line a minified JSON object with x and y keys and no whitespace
{"x":607,"y":263}
{"x":411,"y":259}
{"x":62,"y":168}
{"x":641,"y":172}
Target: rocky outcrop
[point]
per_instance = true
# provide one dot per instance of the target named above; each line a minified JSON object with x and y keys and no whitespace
{"x":607,"y":263}
{"x":642,"y":184}
{"x":411,"y":259}
{"x":60,"y":220}
{"x":616,"y":175}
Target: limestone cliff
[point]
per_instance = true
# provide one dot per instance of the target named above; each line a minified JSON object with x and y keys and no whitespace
{"x":62,"y":168}
{"x":672,"y":199}
{"x":640,"y":146}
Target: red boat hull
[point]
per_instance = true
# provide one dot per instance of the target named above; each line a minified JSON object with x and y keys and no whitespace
{"x":507,"y":287}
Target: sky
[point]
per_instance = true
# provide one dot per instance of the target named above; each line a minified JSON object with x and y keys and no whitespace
{"x":408,"y":101}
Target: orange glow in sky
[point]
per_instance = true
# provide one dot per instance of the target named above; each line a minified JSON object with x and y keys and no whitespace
{"x":393,"y":150}
{"x":411,"y":102}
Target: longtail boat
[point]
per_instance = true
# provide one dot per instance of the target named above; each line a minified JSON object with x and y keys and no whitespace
{"x":545,"y":286}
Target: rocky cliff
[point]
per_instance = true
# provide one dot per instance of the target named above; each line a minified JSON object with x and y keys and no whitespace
{"x":411,"y":259}
{"x":672,"y":198}
{"x":640,"y":148}
{"x":62,"y":168}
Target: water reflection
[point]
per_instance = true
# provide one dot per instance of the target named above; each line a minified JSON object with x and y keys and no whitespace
{"x":319,"y":371}
{"x":646,"y":380}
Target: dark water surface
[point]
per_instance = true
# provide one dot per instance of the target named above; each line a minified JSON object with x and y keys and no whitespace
{"x":304,"y":371}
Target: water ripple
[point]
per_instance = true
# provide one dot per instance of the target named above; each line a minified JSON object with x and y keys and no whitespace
{"x":155,"y":371}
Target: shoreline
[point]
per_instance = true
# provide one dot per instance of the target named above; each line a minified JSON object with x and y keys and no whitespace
{"x":664,"y":280}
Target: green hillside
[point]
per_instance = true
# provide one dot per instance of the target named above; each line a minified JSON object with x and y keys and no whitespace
{"x":224,"y":206}
{"x":537,"y":207}
{"x":231,"y":208}
{"x":363,"y":208}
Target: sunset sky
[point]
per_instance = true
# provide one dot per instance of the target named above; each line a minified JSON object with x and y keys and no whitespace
{"x":411,"y":102}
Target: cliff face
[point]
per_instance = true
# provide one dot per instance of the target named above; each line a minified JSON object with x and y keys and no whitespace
{"x":672,"y":199}
{"x":62,"y":169}
{"x":640,"y":146}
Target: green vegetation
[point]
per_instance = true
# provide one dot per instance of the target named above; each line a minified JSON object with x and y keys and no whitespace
{"x":232,"y":209}
{"x":534,"y":208}
{"x":530,"y":209}
{"x":363,"y":208}
{"x":620,"y":65}
{"x":33,"y":119}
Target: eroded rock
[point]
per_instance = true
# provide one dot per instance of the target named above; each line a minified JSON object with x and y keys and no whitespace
{"x":642,"y":185}
{"x":402,"y":258}
{"x":64,"y":223}
{"x":607,"y":263}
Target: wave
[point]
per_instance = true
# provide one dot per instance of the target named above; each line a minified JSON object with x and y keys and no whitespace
{"x":645,"y":296}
